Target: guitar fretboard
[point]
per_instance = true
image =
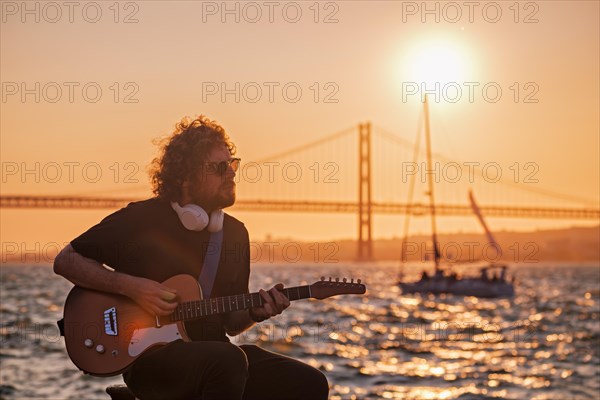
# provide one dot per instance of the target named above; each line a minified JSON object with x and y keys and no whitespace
{"x":218,"y":305}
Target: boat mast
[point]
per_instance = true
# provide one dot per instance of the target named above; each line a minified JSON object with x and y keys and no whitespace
{"x":409,"y":201}
{"x":436,"y":252}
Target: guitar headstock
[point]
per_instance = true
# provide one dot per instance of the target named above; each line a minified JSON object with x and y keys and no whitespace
{"x":327,"y":288}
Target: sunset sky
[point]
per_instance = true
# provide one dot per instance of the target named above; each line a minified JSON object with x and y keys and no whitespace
{"x":154,"y":62}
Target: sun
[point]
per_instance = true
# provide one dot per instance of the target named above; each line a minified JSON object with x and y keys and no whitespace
{"x":437,"y":64}
{"x":435,"y":61}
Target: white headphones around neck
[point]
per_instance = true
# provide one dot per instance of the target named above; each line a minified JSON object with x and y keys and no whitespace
{"x":194,"y":218}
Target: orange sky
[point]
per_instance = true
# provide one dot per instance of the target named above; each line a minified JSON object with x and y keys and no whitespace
{"x":366,"y":51}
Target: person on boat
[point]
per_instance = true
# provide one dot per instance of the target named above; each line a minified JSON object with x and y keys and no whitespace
{"x":424,"y":276}
{"x":503,"y":273}
{"x":150,"y":241}
{"x":484,"y":275}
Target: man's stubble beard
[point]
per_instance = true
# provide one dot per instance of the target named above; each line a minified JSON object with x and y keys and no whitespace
{"x":217,"y":201}
{"x":229,"y":201}
{"x":223,"y":201}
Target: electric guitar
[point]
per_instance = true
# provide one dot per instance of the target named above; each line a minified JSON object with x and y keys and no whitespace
{"x":105,"y":333}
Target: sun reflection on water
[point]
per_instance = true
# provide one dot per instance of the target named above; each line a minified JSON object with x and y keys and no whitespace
{"x":540,"y":345}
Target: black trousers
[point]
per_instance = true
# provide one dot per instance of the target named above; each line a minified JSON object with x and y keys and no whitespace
{"x":222,"y":371}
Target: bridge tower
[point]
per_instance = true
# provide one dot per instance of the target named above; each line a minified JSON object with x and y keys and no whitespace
{"x":365,"y":244}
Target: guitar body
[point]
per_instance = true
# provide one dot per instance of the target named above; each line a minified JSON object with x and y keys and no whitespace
{"x":106,"y":333}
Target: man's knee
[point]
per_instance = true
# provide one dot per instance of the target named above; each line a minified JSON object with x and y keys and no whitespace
{"x":312,"y":384}
{"x":232,"y":359}
{"x":320,"y":386}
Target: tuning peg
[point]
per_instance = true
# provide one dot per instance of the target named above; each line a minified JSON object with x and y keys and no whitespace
{"x":337,"y":279}
{"x":352,"y":280}
{"x":358,"y":281}
{"x":329,"y":279}
{"x":345,"y":280}
{"x":322,"y":278}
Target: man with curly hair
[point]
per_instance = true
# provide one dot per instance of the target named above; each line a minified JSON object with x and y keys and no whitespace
{"x":152,"y":240}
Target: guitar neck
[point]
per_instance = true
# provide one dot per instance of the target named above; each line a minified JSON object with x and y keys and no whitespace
{"x":201,"y":308}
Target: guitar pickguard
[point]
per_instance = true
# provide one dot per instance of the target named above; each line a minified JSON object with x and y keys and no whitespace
{"x":146,"y":337}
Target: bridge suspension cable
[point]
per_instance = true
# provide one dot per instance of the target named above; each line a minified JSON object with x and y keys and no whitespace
{"x":536,"y":190}
{"x":308,"y":145}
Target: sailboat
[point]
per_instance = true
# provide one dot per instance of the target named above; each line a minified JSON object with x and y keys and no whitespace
{"x":444,"y":280}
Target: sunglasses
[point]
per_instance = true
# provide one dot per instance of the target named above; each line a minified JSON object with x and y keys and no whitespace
{"x":221,"y":167}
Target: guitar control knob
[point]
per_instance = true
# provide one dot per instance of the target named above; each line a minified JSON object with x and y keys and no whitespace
{"x":88,"y":343}
{"x":100,"y":349}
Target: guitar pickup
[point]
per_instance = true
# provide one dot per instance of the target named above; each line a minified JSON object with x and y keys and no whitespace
{"x":110,"y":321}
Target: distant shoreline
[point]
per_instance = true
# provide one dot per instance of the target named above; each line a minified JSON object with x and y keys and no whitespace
{"x":573,"y":245}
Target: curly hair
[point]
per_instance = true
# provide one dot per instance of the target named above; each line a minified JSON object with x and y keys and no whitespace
{"x":183,"y":153}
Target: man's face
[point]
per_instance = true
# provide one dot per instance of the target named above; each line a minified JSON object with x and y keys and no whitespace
{"x":209,"y":189}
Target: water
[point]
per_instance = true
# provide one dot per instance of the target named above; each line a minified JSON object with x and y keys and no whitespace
{"x":543,"y":344}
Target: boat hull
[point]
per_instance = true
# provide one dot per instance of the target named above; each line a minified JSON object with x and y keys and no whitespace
{"x":462,"y":287}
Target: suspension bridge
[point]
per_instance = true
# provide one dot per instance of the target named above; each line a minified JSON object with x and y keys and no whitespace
{"x":364,"y":170}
